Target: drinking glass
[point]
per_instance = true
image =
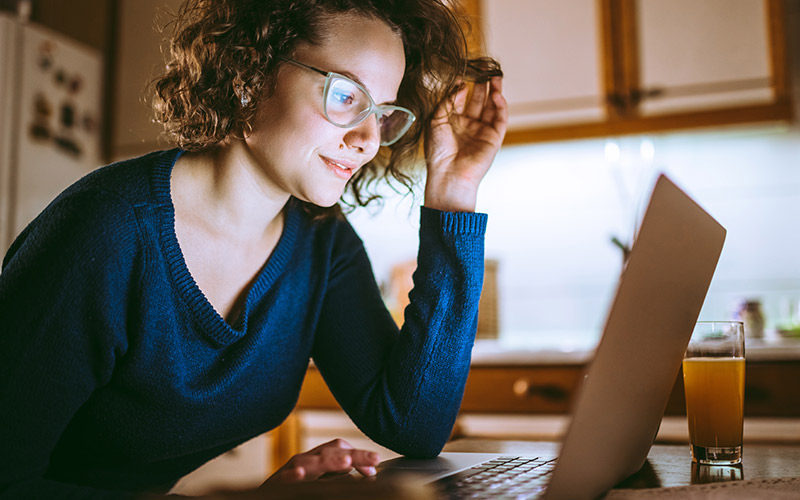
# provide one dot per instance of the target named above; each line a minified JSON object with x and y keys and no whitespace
{"x":713,"y":381}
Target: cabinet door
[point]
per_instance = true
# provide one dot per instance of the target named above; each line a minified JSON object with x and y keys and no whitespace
{"x":596,"y":68}
{"x":551,"y":59}
{"x":700,"y":55}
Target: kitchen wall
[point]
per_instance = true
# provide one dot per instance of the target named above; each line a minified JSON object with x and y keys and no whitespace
{"x":555,"y":207}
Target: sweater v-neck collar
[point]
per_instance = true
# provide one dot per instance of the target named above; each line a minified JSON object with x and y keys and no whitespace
{"x":210,"y":321}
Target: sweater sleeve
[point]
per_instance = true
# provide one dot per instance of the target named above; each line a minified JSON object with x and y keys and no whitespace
{"x":62,"y":325}
{"x":404,"y":389}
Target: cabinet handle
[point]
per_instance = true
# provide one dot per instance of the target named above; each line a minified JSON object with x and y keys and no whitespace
{"x":638,"y":95}
{"x":617,"y":101}
{"x":524,"y":389}
{"x":629,"y":101}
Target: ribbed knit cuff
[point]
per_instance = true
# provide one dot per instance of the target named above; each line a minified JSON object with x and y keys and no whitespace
{"x":453,"y":222}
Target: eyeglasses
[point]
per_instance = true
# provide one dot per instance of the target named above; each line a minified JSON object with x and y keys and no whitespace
{"x":346,"y":104}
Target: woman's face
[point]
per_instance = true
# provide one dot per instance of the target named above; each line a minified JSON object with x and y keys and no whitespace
{"x":298,"y":150}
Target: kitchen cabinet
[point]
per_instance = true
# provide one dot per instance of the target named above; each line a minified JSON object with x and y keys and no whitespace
{"x":574,"y":68}
{"x":551,"y":389}
{"x":587,"y":68}
{"x":702,"y":55}
{"x":549,"y":53}
{"x":770,"y":390}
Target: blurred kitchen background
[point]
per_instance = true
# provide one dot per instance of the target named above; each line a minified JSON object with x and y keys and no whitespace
{"x":602,"y":97}
{"x":709,"y":100}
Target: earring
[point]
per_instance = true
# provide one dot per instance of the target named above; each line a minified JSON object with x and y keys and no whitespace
{"x":244,"y":99}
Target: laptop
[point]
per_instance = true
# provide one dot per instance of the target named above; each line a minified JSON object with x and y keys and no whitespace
{"x":620,"y":404}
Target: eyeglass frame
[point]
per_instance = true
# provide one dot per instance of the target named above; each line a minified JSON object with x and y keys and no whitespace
{"x":374,"y":108}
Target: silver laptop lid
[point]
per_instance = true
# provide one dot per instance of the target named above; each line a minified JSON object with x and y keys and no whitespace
{"x":659,"y":296}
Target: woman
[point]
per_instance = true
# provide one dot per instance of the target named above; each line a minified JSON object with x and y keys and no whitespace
{"x":164,"y":309}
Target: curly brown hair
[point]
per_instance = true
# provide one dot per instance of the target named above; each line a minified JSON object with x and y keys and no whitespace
{"x":224,"y":49}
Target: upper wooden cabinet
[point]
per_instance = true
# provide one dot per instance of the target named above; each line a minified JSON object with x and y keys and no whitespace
{"x":587,"y":68}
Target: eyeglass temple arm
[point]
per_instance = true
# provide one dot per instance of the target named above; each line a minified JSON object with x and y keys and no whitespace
{"x":298,"y":63}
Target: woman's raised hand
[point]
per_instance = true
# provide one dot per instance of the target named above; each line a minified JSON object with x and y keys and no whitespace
{"x":466,"y":133}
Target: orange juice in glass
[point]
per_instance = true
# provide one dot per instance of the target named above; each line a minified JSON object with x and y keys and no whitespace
{"x":713,"y":380}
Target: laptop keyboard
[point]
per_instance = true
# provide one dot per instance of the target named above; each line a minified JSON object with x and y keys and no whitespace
{"x":517,"y":478}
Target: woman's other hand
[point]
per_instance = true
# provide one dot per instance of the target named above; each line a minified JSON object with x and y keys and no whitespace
{"x":336,"y":456}
{"x":466,"y":133}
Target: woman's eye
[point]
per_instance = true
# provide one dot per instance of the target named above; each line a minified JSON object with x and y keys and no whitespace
{"x":343,"y":97}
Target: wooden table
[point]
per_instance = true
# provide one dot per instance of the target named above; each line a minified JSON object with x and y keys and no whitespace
{"x":667,"y":465}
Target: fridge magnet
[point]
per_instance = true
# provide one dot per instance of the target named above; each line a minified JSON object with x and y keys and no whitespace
{"x":42,"y":111}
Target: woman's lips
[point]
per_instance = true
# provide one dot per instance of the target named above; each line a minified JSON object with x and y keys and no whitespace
{"x":341,"y":168}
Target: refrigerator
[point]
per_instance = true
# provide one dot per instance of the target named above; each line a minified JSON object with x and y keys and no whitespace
{"x":50,"y":112}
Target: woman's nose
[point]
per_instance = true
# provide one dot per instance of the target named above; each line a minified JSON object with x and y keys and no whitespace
{"x":365,"y":137}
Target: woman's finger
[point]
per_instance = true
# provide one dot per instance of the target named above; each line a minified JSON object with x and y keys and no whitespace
{"x":291,"y":474}
{"x":490,"y":109}
{"x":365,"y":461}
{"x":476,"y":101}
{"x":500,"y":118}
{"x":460,"y":99}
{"x":495,"y":114}
{"x":364,"y":458}
{"x":353,"y":456}
{"x":329,"y":460}
{"x":334,"y":443}
{"x":315,"y":465}
{"x":367,"y":471}
{"x":333,"y":459}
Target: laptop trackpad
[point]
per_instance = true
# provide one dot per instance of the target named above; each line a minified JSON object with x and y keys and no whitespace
{"x":432,"y":468}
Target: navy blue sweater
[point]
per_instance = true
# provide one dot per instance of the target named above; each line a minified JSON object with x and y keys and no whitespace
{"x":118,"y":376}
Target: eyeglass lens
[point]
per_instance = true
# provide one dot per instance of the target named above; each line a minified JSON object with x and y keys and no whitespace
{"x":347,"y":104}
